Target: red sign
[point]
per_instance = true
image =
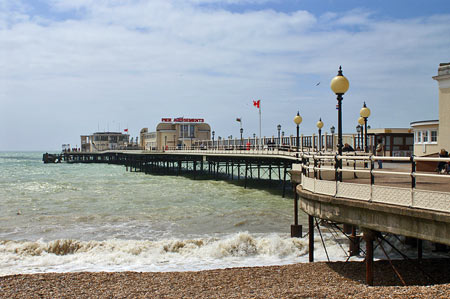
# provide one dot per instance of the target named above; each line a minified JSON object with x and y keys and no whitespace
{"x":183,"y":120}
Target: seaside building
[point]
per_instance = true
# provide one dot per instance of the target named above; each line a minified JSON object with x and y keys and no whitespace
{"x":102,"y":141}
{"x":432,"y":135}
{"x":175,"y":132}
{"x":397,"y":142}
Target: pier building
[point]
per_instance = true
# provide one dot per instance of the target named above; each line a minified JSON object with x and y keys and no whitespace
{"x":398,"y":142}
{"x":432,"y":135}
{"x":175,"y":132}
{"x":103,"y":141}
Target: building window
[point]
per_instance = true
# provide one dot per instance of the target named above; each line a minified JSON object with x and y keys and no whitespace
{"x":433,"y":136}
{"x":419,"y":137}
{"x":425,"y":136}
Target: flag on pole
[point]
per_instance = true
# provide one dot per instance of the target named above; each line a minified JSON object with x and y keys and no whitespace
{"x":256,"y":103}
{"x":238,"y":119}
{"x":125,"y":130}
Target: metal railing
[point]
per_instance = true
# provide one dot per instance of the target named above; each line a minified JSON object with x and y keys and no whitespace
{"x":320,"y":175}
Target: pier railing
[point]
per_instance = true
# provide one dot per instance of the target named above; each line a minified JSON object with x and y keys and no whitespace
{"x":359,"y":179}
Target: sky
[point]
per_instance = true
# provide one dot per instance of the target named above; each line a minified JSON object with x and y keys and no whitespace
{"x":74,"y":67}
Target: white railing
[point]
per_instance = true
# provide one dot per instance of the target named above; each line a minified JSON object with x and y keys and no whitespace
{"x":319,"y":178}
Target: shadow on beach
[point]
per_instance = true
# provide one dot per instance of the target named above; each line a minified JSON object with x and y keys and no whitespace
{"x":426,"y":272}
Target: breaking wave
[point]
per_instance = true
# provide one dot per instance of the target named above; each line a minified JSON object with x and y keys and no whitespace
{"x":240,"y":249}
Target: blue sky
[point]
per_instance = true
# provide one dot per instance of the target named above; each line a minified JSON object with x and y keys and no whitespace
{"x":71,"y":67}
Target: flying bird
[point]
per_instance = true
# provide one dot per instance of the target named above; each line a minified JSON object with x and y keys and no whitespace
{"x":318,"y":83}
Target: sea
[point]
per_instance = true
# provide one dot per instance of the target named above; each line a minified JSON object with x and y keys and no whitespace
{"x":99,"y":217}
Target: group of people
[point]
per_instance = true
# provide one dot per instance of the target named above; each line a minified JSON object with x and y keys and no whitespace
{"x":379,"y":151}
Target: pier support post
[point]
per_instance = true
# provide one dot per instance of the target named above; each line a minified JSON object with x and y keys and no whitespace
{"x":284,"y":182}
{"x":369,"y":237}
{"x":195,"y":169}
{"x":296,"y":229}
{"x":245,"y":181}
{"x":311,"y":238}
{"x":419,"y":249}
{"x":232,"y":170}
{"x":354,"y":242}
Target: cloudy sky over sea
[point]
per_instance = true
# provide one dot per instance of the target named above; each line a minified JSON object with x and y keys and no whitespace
{"x":73,"y":67}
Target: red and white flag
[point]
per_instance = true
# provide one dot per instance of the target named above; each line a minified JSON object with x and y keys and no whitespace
{"x":257,"y":103}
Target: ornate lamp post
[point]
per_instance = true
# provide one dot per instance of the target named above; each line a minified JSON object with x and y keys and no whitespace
{"x":279,"y":129}
{"x":365,"y":113}
{"x":339,"y":85}
{"x":213,"y":133}
{"x":358,"y":130}
{"x":361,"y":125}
{"x":332,"y":130}
{"x":298,"y":120}
{"x":320,"y":126}
{"x":242,"y":131}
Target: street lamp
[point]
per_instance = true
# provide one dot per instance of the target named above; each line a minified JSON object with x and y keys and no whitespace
{"x":320,"y":126}
{"x":332,"y":130}
{"x":358,"y":130}
{"x":242,"y":131}
{"x":213,"y":133}
{"x":365,"y":113}
{"x":279,"y":129}
{"x":298,"y":120}
{"x":339,"y":85}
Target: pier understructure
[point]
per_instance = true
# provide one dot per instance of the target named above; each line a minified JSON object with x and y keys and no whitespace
{"x":229,"y":165}
{"x":373,"y":203}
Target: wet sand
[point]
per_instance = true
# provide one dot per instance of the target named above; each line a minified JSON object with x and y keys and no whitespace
{"x":317,"y":280}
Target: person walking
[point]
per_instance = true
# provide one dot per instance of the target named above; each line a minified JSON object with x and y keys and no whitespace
{"x":380,"y":152}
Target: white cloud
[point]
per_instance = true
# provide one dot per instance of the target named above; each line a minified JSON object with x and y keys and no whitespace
{"x":138,"y":61}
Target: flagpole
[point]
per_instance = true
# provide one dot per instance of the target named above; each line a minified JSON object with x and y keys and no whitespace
{"x":260,"y":140}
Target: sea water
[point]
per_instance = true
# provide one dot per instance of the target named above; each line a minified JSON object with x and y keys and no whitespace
{"x":99,"y":217}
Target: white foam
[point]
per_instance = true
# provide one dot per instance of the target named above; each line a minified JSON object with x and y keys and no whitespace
{"x":235,"y":250}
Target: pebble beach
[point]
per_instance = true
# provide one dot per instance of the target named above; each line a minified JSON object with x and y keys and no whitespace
{"x":303,"y":280}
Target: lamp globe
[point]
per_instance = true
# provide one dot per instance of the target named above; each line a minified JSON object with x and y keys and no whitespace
{"x":339,"y":84}
{"x":319,"y":124}
{"x":298,"y":119}
{"x":364,"y":112}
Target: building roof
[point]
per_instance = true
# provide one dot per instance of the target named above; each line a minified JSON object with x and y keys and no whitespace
{"x":425,"y":123}
{"x":389,"y":131}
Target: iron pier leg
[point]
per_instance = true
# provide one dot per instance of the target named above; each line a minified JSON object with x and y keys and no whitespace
{"x":296,"y":229}
{"x":419,"y":249}
{"x":311,"y":238}
{"x":270,"y":172}
{"x":369,"y":236}
{"x":245,"y":181}
{"x":284,"y":182}
{"x":195,"y":169}
{"x":232,"y":170}
{"x":354,"y":242}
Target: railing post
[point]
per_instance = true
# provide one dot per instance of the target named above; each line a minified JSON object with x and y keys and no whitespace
{"x":336,"y":167}
{"x":413,"y":170}
{"x":372,"y":166}
{"x":315,"y":165}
